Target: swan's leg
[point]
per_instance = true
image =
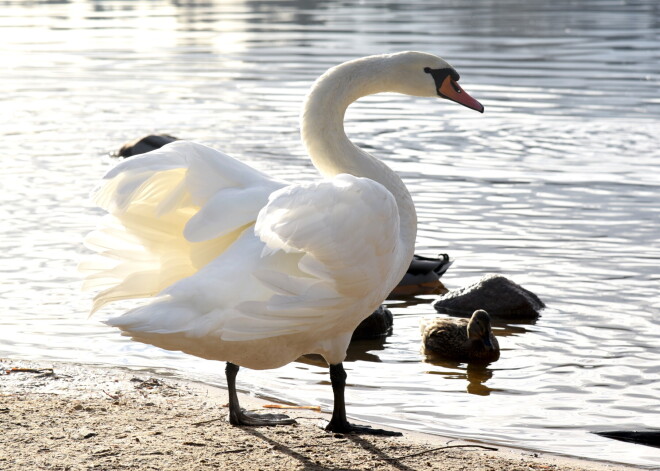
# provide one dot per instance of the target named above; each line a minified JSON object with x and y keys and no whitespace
{"x":238,"y":416}
{"x":338,"y":422}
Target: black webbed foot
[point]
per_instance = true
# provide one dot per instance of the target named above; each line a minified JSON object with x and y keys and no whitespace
{"x":349,"y":428}
{"x":243,"y":417}
{"x":339,"y":423}
{"x":238,"y":416}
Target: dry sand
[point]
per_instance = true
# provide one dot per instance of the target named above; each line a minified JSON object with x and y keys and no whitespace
{"x":64,"y":417}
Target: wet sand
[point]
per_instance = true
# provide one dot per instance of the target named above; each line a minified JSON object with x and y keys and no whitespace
{"x":66,"y":417}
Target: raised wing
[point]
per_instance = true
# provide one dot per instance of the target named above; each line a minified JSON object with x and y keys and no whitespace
{"x":170,"y":212}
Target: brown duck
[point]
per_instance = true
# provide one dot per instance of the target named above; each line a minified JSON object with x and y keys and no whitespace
{"x":460,"y":339}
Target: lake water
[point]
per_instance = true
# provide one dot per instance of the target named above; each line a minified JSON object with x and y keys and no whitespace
{"x":556,"y":186}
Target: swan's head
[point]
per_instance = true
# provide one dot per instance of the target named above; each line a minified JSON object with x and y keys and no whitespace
{"x":479,"y":328}
{"x":422,"y":74}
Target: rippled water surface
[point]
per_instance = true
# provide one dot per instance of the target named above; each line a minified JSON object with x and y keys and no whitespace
{"x":556,"y":186}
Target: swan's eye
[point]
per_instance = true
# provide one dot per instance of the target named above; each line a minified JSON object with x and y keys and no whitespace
{"x":427,"y":70}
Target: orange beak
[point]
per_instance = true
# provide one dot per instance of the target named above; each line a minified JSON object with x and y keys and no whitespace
{"x":451,"y":90}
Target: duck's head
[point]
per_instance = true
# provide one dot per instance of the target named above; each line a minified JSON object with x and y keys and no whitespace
{"x":479,"y":328}
{"x":422,"y":74}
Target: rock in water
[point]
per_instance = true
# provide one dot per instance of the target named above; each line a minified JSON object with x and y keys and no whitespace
{"x":377,"y":325}
{"x":640,"y":437}
{"x":496,"y":294}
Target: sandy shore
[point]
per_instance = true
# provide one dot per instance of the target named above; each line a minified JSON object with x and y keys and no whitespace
{"x":64,"y":417}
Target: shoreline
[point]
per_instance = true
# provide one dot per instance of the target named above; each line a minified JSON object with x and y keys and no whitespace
{"x":64,"y":416}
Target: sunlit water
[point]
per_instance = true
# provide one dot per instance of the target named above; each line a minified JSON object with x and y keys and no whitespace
{"x":556,"y":186}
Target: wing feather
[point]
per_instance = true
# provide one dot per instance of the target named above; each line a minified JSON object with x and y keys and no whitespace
{"x":347,"y":228}
{"x":167,"y":218}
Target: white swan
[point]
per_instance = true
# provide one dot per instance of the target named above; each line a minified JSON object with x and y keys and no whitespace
{"x":254,"y":271}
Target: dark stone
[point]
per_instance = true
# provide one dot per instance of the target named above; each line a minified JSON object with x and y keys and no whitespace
{"x":377,"y":325}
{"x":496,"y":294}
{"x":639,"y":437}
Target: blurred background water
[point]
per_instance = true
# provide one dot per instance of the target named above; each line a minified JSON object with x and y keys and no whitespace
{"x":556,"y":186}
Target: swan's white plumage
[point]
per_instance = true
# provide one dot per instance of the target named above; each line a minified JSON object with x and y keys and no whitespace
{"x":247,"y":269}
{"x":332,"y":223}
{"x":239,"y":257}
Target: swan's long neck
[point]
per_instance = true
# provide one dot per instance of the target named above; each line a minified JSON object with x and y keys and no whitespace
{"x":333,"y":153}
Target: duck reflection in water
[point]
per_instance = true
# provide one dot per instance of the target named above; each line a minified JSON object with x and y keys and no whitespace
{"x":476,"y":374}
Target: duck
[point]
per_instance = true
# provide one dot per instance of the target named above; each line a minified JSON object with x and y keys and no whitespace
{"x":144,"y":144}
{"x":423,"y":276}
{"x":460,"y":340}
{"x":235,"y":266}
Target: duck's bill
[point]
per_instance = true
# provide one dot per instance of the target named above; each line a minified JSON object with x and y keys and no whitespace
{"x":451,"y":90}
